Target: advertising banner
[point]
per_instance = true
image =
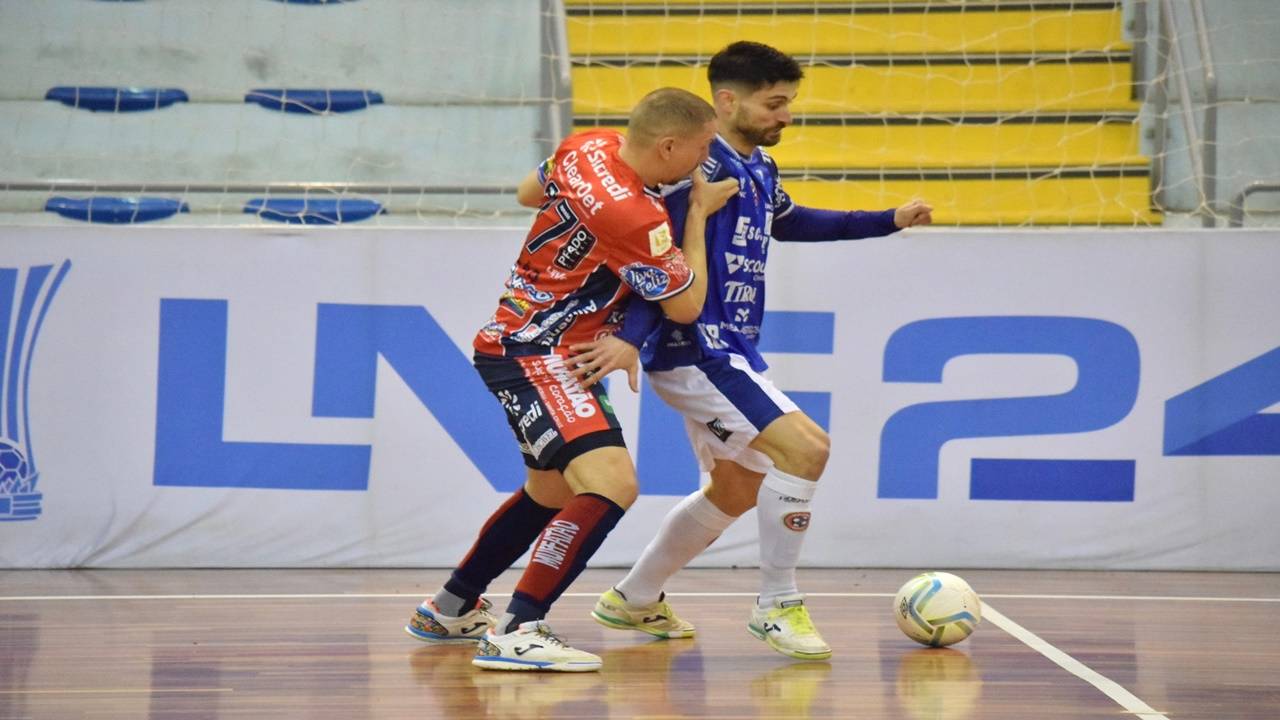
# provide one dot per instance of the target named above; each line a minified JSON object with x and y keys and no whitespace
{"x":243,"y":397}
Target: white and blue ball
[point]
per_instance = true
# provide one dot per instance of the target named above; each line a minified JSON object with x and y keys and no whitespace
{"x":937,"y":609}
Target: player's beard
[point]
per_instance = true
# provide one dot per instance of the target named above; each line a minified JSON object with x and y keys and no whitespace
{"x":763,"y":137}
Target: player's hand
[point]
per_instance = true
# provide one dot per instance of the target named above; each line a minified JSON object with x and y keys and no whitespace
{"x":708,"y":197}
{"x":593,"y":360}
{"x":912,"y":214}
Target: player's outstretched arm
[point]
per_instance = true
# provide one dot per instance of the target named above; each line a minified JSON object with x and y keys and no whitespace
{"x":704,"y":200}
{"x":804,"y":224}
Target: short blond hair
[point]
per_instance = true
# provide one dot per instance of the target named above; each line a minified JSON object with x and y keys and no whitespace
{"x":666,"y":112}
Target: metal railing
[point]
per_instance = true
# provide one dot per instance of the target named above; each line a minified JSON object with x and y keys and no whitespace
{"x":1204,"y":164}
{"x":88,"y":186}
{"x":1237,"y":203}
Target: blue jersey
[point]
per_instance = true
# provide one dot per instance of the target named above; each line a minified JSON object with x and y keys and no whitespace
{"x":737,"y":249}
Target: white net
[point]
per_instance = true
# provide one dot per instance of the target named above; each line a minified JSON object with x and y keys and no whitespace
{"x":999,"y":112}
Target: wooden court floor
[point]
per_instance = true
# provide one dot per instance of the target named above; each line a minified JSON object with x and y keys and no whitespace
{"x":328,"y":644}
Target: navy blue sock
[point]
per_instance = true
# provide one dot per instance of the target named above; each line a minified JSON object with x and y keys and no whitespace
{"x":506,"y":535}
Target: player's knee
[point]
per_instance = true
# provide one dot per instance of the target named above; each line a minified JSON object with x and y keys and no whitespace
{"x":807,"y":455}
{"x":733,"y":498}
{"x":625,"y":494}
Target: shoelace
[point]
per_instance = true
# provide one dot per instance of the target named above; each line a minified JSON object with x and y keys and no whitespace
{"x":545,"y":633}
{"x":800,"y":621}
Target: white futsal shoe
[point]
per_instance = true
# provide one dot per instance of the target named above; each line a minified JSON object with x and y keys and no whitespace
{"x":531,"y":646}
{"x":787,"y":628}
{"x":430,"y":625}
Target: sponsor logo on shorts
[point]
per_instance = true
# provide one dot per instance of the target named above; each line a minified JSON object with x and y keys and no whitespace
{"x":797,"y":521}
{"x":534,"y":412}
{"x":509,"y":402}
{"x":719,"y":430}
{"x":569,"y":397}
{"x":540,"y":444}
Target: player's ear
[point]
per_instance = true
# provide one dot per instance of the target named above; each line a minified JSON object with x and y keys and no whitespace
{"x":725,"y":99}
{"x":666,"y":147}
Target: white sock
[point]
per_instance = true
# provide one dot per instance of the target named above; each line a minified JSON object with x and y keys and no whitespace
{"x":687,"y":530}
{"x":782,"y":508}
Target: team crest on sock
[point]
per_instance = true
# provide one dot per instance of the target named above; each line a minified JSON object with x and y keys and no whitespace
{"x":797,"y":521}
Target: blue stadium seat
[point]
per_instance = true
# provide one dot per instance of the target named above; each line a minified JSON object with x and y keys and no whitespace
{"x":314,"y":211}
{"x":115,"y":99}
{"x":313,"y":101}
{"x":115,"y":210}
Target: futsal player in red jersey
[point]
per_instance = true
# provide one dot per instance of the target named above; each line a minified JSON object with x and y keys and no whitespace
{"x":602,"y":234}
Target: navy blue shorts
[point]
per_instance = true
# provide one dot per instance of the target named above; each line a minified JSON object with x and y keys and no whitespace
{"x":554,"y":418}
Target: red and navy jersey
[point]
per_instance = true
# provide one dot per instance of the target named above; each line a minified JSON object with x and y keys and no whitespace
{"x":599,"y":236}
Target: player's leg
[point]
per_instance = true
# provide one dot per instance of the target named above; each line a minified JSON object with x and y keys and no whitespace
{"x":458,"y":612}
{"x":799,"y":450}
{"x":637,"y":602}
{"x":723,"y":408}
{"x":735,"y":413}
{"x":574,"y":431}
{"x":603,"y":481}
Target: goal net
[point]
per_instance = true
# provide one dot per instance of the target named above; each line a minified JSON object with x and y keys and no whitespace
{"x":998,"y":112}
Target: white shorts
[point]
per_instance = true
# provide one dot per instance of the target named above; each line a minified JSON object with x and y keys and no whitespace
{"x":725,"y":405}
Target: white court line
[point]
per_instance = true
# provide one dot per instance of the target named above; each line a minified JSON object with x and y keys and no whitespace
{"x":374,"y":596}
{"x":1127,"y":700}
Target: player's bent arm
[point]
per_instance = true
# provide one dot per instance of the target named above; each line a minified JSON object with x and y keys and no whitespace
{"x":704,"y":200}
{"x":685,"y":306}
{"x":529,"y":191}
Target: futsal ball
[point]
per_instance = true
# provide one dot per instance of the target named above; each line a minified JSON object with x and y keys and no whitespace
{"x":937,"y":609}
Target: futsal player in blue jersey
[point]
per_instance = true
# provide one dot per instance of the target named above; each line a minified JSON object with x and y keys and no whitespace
{"x":759,"y":448}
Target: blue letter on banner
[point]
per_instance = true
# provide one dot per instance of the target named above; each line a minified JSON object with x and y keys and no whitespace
{"x":349,"y":339}
{"x":190,"y":450}
{"x":1221,"y":416}
{"x":1106,"y":357}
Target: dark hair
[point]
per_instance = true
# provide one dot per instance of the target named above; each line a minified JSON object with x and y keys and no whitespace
{"x":752,"y":65}
{"x":668,"y":111}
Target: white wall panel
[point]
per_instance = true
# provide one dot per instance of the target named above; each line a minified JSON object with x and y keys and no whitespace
{"x":1197,"y":306}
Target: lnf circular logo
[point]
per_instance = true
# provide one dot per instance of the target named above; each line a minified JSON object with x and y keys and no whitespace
{"x":15,"y":474}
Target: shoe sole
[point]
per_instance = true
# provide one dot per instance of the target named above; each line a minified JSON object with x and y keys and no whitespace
{"x":437,"y":640}
{"x":619,"y":624}
{"x":797,"y":654}
{"x":508,"y":664}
